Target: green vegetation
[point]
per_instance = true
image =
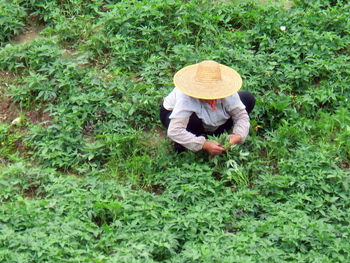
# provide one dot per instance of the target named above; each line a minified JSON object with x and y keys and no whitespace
{"x":96,"y":181}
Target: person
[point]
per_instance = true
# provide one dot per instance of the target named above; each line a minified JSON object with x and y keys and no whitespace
{"x":206,"y":101}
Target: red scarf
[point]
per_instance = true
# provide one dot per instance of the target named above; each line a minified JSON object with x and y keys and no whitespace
{"x":212,"y":104}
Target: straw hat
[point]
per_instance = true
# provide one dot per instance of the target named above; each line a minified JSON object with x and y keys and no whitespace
{"x":208,"y":80}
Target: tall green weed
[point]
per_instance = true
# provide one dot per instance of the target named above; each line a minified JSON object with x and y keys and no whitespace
{"x":12,"y":20}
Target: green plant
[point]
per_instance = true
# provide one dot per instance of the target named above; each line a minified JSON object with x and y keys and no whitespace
{"x":227,"y":166}
{"x":99,"y":182}
{"x":12,"y":20}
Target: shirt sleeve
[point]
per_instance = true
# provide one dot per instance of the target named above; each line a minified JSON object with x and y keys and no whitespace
{"x":239,"y":115}
{"x":178,"y":133}
{"x":241,"y":122}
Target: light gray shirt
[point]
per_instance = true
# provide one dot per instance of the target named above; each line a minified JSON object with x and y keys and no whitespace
{"x":182,"y":107}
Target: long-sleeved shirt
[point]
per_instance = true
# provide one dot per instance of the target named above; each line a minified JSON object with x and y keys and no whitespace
{"x":182,"y":106}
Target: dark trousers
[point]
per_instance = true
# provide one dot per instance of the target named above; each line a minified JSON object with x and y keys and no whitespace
{"x":195,"y":125}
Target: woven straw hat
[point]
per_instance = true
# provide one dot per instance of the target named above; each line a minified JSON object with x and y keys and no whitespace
{"x":208,"y":80}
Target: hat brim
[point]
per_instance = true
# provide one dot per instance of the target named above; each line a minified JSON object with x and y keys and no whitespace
{"x":229,"y":84}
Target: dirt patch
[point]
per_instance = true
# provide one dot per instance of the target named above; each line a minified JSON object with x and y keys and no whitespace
{"x":8,"y":110}
{"x":31,"y":192}
{"x":31,"y":30}
{"x":39,"y":117}
{"x":161,"y":133}
{"x":6,"y":78}
{"x":69,"y":52}
{"x":157,"y":189}
{"x":29,"y":35}
{"x":344,"y":165}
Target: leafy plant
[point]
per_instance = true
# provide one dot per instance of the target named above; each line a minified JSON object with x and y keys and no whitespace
{"x":99,"y":182}
{"x":12,"y":20}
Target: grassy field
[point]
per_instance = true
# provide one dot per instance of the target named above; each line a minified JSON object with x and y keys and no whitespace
{"x":87,"y":174}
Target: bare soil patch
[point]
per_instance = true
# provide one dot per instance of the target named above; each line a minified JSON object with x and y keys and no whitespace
{"x":10,"y":110}
{"x":39,"y":117}
{"x":29,"y":35}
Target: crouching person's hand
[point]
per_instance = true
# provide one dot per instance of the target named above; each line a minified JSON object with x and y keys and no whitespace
{"x":213,"y":148}
{"x":235,"y":138}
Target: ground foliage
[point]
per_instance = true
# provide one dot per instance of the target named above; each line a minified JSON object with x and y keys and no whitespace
{"x":97,"y":183}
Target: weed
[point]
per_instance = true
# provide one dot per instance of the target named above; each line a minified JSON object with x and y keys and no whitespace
{"x":101,"y":184}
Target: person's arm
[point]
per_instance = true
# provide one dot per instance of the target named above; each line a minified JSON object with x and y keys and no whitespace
{"x":178,"y":133}
{"x":241,"y":126}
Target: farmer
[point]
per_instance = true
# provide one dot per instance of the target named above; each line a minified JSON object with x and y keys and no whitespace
{"x":206,"y":101}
